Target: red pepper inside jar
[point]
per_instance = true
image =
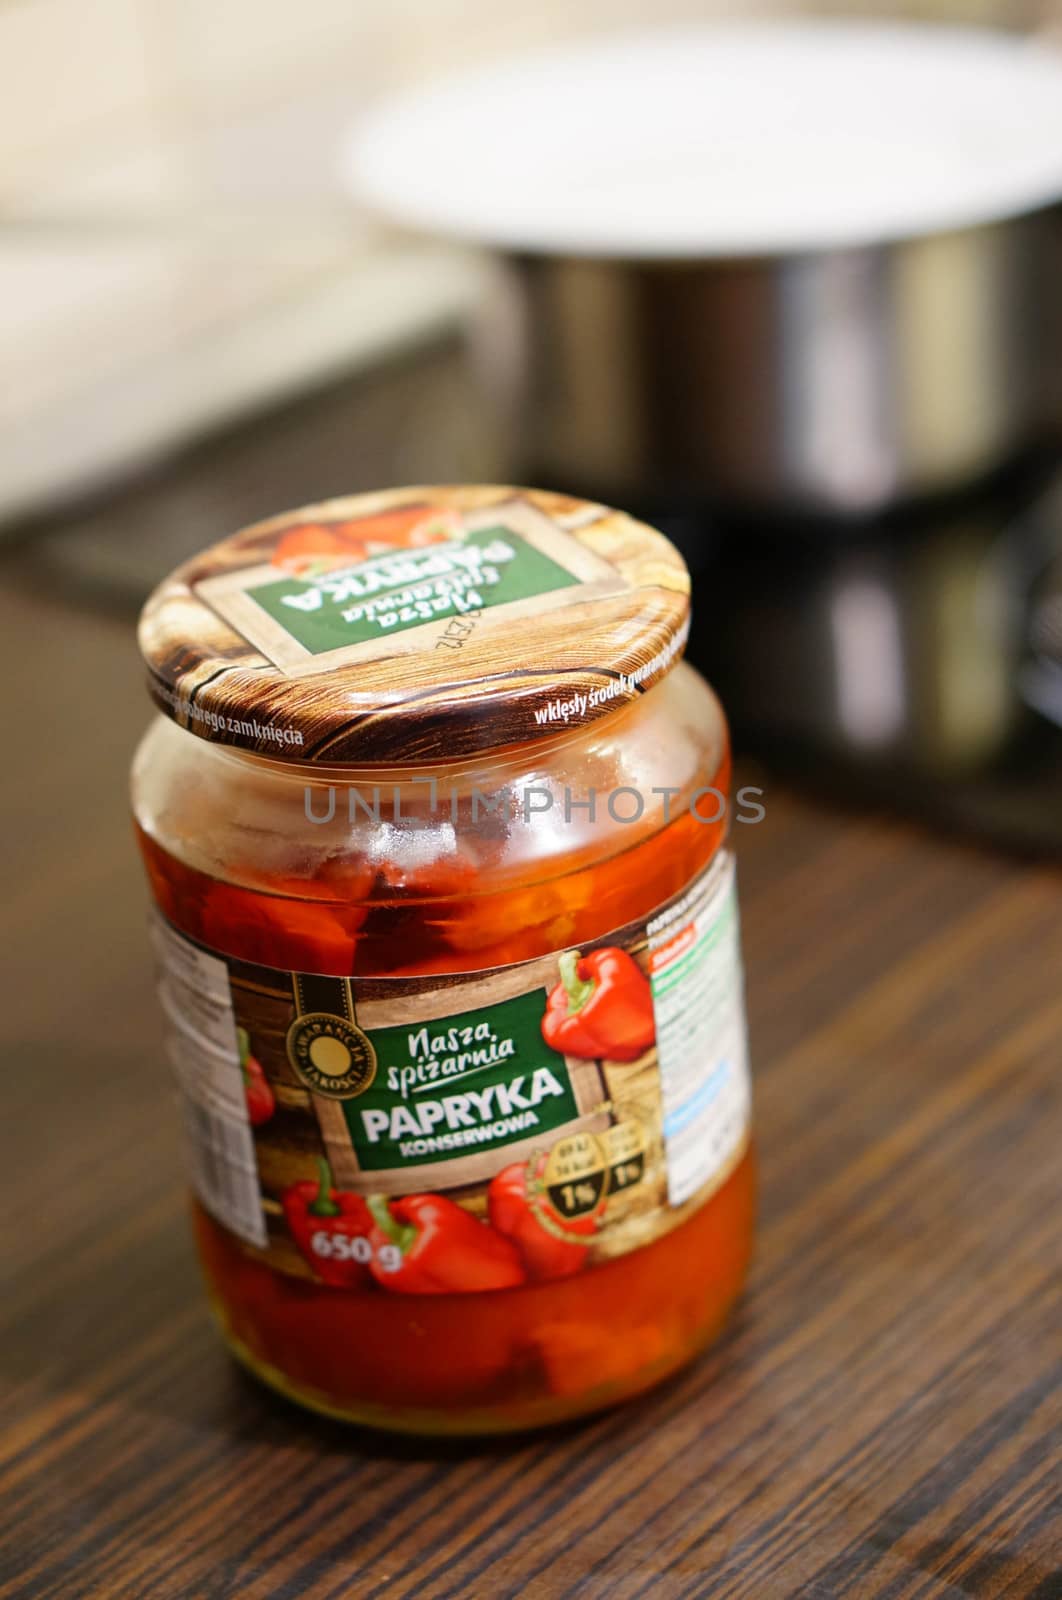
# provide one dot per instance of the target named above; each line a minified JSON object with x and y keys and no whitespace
{"x":435,"y":822}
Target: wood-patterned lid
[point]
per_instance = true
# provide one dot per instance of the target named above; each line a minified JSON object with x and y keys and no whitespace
{"x":415,"y":623}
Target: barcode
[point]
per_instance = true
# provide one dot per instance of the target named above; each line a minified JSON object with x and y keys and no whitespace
{"x":223,"y":1170}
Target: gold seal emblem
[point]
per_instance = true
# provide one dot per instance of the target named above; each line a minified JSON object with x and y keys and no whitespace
{"x":576,"y":1175}
{"x":626,"y":1146}
{"x":331,"y":1055}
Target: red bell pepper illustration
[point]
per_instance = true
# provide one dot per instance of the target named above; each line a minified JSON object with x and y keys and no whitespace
{"x":602,"y":1007}
{"x":331,"y":1228}
{"x":519,"y":1207}
{"x":257,"y":1090}
{"x":426,"y":1244}
{"x":313,"y":548}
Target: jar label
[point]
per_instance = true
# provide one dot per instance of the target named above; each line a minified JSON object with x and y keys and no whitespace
{"x":466,"y":1130}
{"x":306,"y":609}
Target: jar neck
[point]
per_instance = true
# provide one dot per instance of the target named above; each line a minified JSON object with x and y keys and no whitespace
{"x":492,"y":762}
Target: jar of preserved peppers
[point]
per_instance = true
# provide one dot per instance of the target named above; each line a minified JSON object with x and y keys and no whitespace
{"x":435,"y":821}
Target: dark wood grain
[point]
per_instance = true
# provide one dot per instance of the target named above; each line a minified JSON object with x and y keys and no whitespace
{"x":883,"y":1418}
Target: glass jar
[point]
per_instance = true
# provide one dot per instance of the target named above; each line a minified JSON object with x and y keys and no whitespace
{"x":452,"y":986}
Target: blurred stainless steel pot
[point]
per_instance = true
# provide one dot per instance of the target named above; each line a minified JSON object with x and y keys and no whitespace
{"x":841,"y":380}
{"x":789,"y":263}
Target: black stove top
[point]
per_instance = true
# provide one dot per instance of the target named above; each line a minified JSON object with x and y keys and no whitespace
{"x":915,"y":660}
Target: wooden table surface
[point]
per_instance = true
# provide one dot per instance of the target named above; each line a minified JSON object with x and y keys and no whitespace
{"x":882,"y":1418}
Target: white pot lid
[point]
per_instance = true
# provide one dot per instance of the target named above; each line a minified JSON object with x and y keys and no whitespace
{"x":725,"y":141}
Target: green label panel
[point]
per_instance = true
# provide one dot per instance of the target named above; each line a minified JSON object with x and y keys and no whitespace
{"x":407,"y":588}
{"x":462,"y":1084}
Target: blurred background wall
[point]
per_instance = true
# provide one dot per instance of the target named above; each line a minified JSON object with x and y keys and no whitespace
{"x":168,"y":174}
{"x":172,"y":100}
{"x":137,"y":88}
